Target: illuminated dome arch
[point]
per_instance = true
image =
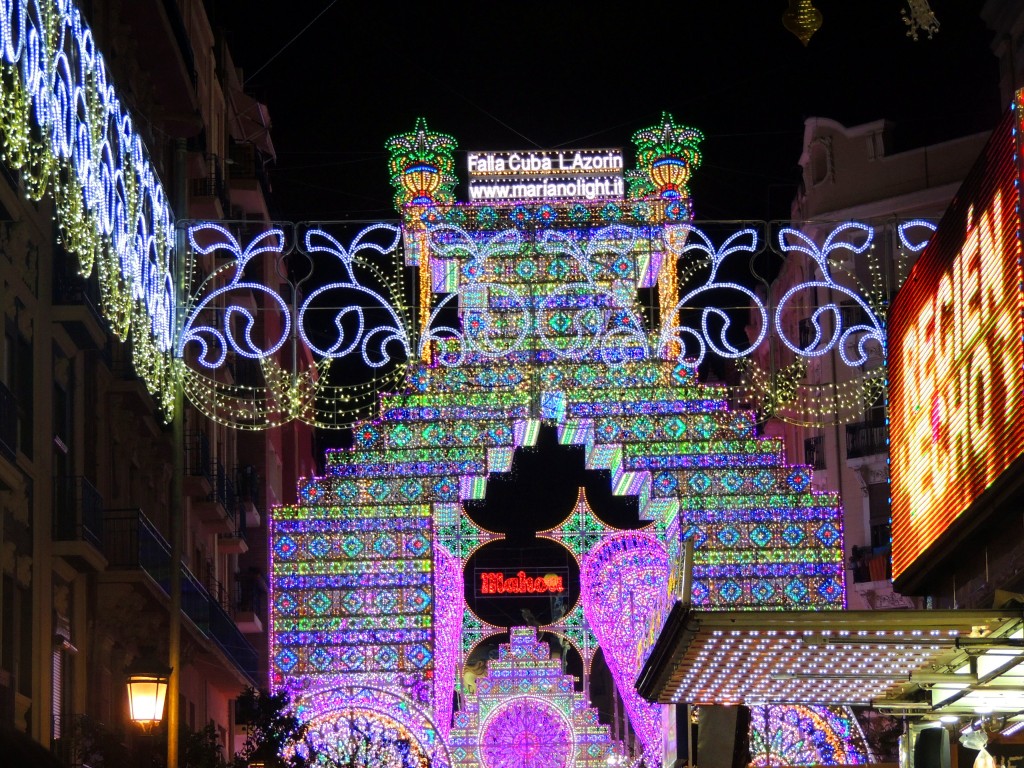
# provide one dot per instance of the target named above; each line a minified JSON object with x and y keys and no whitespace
{"x":526,"y":712}
{"x":625,"y":584}
{"x":360,"y":595}
{"x":527,"y":730}
{"x":798,"y":734}
{"x":330,"y":714}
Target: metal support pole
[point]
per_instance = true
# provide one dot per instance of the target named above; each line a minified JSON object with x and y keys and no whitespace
{"x":689,"y":736}
{"x":177,"y":510}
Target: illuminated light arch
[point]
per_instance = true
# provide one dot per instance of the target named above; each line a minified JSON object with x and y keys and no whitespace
{"x":625,"y":587}
{"x":526,"y":711}
{"x":527,"y":730}
{"x":328,"y":713}
{"x":485,"y":384}
{"x":669,"y":441}
{"x":806,"y":735}
{"x":111,"y":208}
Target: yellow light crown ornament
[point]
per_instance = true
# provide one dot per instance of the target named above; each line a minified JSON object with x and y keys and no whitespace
{"x":802,"y":19}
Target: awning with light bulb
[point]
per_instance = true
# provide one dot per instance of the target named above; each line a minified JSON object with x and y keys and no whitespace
{"x":915,"y":662}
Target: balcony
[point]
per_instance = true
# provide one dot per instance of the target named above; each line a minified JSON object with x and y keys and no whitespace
{"x":866,"y":438}
{"x":237,"y":541}
{"x":814,"y":452}
{"x":78,"y":523}
{"x":871,"y":564}
{"x":8,"y":424}
{"x":162,"y":49}
{"x":76,"y":301}
{"x":248,"y":182}
{"x":132,"y":542}
{"x":208,"y":193}
{"x":249,"y":487}
{"x":251,"y":601}
{"x":219,"y":510}
{"x":198,"y":466}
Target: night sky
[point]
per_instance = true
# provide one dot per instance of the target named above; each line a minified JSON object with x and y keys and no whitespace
{"x":507,"y":76}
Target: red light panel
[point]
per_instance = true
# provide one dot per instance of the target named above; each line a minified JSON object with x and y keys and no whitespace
{"x":956,"y":359}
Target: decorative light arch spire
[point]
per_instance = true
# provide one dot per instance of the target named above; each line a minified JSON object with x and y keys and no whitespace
{"x":422,"y":166}
{"x":666,"y":156}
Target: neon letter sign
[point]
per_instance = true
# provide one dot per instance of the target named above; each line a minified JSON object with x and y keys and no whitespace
{"x":492,"y":583}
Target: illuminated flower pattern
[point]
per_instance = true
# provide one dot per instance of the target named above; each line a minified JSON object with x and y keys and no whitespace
{"x":526,"y":713}
{"x":526,"y":732}
{"x":624,"y":586}
{"x":806,"y":735}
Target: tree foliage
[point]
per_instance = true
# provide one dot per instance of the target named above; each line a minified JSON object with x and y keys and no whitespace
{"x":274,"y":735}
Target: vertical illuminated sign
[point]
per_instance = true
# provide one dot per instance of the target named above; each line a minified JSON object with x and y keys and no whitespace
{"x":956,"y":357}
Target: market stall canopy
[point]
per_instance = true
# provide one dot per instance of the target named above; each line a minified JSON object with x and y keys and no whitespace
{"x":924,"y":662}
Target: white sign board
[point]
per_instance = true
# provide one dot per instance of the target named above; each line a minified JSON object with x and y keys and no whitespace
{"x":545,"y":174}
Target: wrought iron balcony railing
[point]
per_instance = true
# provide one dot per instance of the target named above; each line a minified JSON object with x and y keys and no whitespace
{"x":866,"y":438}
{"x":224,"y":492}
{"x":814,"y":452}
{"x":8,"y":423}
{"x":251,"y":593}
{"x":132,"y":541}
{"x":198,"y":458}
{"x":77,"y":511}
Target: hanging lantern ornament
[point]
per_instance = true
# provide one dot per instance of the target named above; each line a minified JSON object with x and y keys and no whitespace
{"x":920,"y":18}
{"x":802,"y":19}
{"x":146,"y":680}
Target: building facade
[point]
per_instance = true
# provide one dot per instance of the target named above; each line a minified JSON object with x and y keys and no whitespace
{"x":86,"y":450}
{"x":836,"y":421}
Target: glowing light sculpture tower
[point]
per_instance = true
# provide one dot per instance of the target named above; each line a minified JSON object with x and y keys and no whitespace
{"x":367,"y":568}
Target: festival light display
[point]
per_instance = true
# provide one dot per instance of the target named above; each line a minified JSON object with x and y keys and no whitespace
{"x":534,"y":318}
{"x":956,"y":356}
{"x":355,"y":313}
{"x":866,"y":332}
{"x":369,"y":726}
{"x":624,"y":585}
{"x":496,"y":583}
{"x":65,"y":129}
{"x":666,"y":157}
{"x":574,"y":294}
{"x":421,"y":166}
{"x":526,"y":711}
{"x":806,"y":735}
{"x":365,"y":617}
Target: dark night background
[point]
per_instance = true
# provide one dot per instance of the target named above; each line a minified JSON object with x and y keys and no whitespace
{"x":340,"y":78}
{"x":522,"y":75}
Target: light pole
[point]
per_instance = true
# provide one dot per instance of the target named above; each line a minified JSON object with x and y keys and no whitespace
{"x":177,"y":495}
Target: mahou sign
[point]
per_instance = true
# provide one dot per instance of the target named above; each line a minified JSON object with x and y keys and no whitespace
{"x":499,"y":583}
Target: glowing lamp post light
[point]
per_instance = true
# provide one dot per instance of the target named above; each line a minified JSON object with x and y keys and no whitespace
{"x":147,"y":692}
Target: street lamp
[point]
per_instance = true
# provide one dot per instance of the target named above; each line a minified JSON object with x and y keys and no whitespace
{"x":147,"y":691}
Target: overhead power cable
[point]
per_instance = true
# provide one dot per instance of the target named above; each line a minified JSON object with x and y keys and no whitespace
{"x":283,"y":47}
